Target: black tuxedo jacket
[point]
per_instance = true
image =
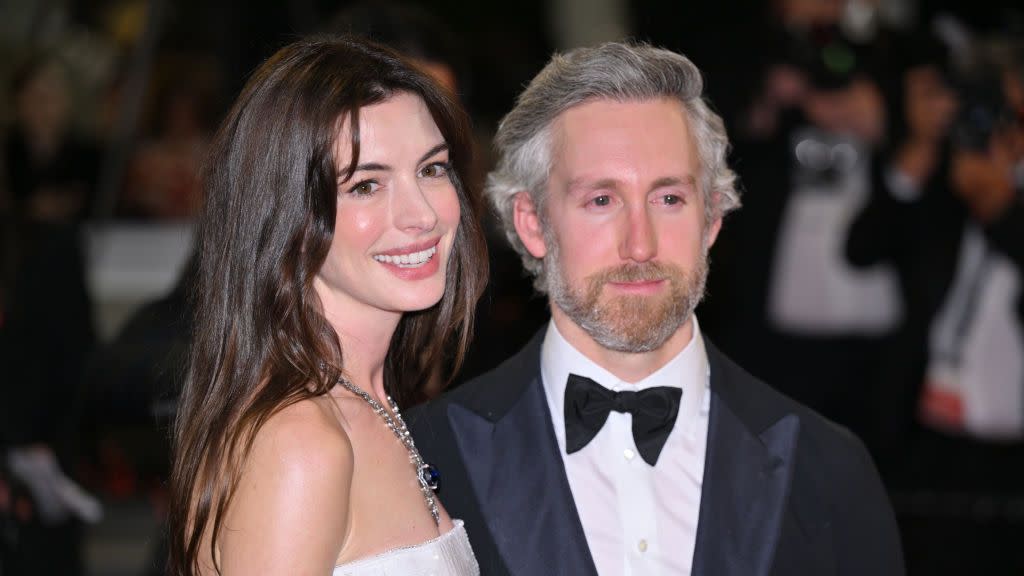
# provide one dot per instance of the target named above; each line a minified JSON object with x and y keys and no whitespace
{"x":784,"y":492}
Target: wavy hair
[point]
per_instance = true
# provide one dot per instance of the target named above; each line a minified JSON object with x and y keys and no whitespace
{"x":614,"y":71}
{"x":261,"y":341}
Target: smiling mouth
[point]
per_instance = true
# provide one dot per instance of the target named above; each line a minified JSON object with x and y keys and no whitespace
{"x":411,"y":260}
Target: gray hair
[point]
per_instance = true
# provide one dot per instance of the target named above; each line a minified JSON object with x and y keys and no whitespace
{"x":612,"y":71}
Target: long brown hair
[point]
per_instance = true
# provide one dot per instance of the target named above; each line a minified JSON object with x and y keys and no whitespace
{"x":261,"y":341}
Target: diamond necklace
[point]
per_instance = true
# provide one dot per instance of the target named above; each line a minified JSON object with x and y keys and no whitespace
{"x":425,"y":473}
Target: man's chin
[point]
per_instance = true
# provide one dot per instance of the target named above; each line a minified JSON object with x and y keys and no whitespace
{"x":632,"y":308}
{"x":636,"y":328}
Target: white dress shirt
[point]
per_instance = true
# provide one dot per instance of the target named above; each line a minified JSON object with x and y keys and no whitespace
{"x":639,"y":520}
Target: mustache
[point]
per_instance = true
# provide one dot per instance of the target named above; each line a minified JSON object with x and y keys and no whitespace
{"x":636,"y":272}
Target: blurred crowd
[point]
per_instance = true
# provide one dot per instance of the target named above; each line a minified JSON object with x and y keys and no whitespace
{"x":880,"y":253}
{"x":874,"y":272}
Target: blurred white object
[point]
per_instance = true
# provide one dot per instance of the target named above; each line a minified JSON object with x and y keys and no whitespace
{"x":814,"y":290}
{"x":975,"y":378}
{"x":129,"y":264}
{"x":54,"y":494}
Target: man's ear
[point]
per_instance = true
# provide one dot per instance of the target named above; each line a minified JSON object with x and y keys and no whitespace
{"x":713,"y":230}
{"x":528,"y":226}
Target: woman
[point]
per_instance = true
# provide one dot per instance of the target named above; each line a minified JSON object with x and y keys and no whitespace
{"x":340,"y":258}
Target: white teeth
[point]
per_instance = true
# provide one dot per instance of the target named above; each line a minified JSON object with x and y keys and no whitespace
{"x":408,"y":260}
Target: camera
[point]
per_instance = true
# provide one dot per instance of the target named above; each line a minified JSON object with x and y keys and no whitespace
{"x":983,"y":112}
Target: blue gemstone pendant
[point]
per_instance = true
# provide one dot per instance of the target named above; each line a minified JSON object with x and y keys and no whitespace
{"x":430,"y":477}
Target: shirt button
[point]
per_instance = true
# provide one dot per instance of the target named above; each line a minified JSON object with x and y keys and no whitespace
{"x":642,"y":545}
{"x":628,"y":454}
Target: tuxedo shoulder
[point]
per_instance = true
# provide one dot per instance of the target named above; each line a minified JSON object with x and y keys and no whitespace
{"x":827,"y":440}
{"x":762,"y":404}
{"x":494,"y":392}
{"x":836,"y":488}
{"x":821,"y":433}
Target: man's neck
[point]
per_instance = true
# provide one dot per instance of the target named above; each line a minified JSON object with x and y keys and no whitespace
{"x":627,"y":366}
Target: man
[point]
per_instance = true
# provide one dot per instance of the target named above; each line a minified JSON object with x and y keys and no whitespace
{"x":619,"y":441}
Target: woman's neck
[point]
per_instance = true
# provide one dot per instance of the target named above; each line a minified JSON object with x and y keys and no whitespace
{"x":365,"y":336}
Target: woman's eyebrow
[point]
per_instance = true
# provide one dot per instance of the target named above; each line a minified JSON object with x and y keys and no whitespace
{"x":432,"y":151}
{"x":376,"y":166}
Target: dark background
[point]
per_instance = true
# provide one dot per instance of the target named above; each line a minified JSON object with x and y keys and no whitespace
{"x":104,"y":414}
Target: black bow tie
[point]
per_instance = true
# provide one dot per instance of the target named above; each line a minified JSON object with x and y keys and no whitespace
{"x":587,"y":405}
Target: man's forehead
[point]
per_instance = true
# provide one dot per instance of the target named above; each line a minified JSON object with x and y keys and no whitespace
{"x":649,"y":135}
{"x":668,"y":106}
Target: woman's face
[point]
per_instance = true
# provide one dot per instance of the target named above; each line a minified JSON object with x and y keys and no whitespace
{"x":396,"y":216}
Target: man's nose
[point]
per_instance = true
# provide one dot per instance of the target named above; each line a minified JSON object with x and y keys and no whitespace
{"x":640,"y":243}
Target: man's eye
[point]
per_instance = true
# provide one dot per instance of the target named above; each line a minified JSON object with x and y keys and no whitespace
{"x":671,"y":199}
{"x":602,"y":200}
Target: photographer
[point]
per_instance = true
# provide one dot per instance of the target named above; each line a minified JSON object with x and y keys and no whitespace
{"x":947,"y":214}
{"x":807,"y":148}
{"x":974,"y":382}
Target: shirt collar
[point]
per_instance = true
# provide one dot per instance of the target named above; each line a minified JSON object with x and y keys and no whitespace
{"x":687,"y":370}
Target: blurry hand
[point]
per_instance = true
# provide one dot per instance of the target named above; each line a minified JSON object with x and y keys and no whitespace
{"x":784,"y":87}
{"x":917,"y":159}
{"x":866,"y":111}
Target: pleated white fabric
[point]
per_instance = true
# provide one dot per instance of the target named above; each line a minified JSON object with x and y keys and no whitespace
{"x":447,"y":555}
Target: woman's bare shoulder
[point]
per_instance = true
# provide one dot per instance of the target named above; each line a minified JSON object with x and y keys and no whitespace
{"x":290,"y":511}
{"x":310,"y":420}
{"x":302,"y":438}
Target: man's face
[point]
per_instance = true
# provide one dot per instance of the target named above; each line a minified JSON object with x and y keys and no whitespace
{"x":622,"y":234}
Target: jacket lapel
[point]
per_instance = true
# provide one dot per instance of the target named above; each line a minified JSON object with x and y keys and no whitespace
{"x":750,"y":460}
{"x":512,"y":460}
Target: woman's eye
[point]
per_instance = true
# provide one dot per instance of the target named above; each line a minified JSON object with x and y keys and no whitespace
{"x":671,"y":199}
{"x":435,"y":170}
{"x":364,"y":188}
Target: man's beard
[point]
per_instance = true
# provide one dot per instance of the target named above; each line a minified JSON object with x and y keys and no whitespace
{"x":627,"y":323}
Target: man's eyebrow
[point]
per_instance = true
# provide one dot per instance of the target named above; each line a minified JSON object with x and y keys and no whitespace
{"x":686,"y":180}
{"x":584,"y":184}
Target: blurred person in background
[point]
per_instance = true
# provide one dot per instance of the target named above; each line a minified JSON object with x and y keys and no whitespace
{"x":906,"y":224}
{"x":162,"y":180}
{"x":47,"y":332}
{"x":974,"y":379}
{"x":134,"y":382}
{"x":947,"y":213}
{"x":801,"y":313}
{"x":338,"y":242}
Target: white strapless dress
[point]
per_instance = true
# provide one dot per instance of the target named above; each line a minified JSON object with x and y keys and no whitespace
{"x":447,"y":555}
